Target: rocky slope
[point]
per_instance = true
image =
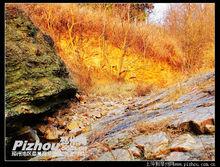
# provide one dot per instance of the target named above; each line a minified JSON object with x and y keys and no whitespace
{"x":177,"y":123}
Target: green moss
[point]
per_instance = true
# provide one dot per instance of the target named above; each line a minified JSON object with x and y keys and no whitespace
{"x":36,"y":77}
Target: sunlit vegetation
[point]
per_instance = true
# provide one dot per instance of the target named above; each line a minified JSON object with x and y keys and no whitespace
{"x":193,"y":26}
{"x":106,"y":49}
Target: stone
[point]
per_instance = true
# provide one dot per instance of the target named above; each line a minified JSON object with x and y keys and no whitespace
{"x":207,"y":152}
{"x":196,"y":120}
{"x":122,"y":155}
{"x":104,"y":112}
{"x":210,"y":129}
{"x":136,"y":152}
{"x":36,"y":77}
{"x":41,"y":128}
{"x":94,"y":153}
{"x":185,"y":143}
{"x":80,"y":140}
{"x":73,"y":125}
{"x":96,"y":114}
{"x":177,"y":156}
{"x":76,"y":131}
{"x":119,"y":140}
{"x":106,"y":157}
{"x":153,"y":145}
{"x":116,"y":155}
{"x":159,"y":138}
{"x":203,"y":126}
{"x":52,"y":133}
{"x":110,"y":132}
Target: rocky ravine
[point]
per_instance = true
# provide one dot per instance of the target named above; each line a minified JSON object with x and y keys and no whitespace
{"x":176,"y":123}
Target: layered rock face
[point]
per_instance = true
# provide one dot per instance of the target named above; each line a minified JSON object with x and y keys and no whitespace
{"x":173,"y":124}
{"x":36,"y":77}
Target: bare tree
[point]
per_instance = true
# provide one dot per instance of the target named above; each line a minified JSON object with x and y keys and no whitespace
{"x":121,"y":74}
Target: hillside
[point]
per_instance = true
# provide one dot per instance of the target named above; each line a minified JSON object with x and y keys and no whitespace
{"x":100,"y":48}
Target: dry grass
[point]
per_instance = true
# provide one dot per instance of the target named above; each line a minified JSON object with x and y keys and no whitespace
{"x":113,"y":89}
{"x":101,"y":49}
{"x":152,"y":127}
{"x":98,"y":135}
{"x":72,"y":20}
{"x":143,"y":89}
{"x":178,"y":93}
{"x":158,"y":126}
{"x":193,"y":25}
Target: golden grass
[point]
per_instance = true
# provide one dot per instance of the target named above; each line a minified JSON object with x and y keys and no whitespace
{"x":194,"y":26}
{"x":143,"y":89}
{"x":158,"y":126}
{"x":152,"y":127}
{"x":69,"y":21}
{"x":113,"y":89}
{"x":100,"y":49}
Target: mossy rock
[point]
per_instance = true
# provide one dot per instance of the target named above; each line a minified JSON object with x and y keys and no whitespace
{"x":36,"y":77}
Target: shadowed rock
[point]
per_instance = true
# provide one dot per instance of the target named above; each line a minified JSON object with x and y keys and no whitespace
{"x":36,"y":77}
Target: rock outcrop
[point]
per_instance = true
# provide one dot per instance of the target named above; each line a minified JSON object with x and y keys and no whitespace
{"x":153,"y":127}
{"x":36,"y":77}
